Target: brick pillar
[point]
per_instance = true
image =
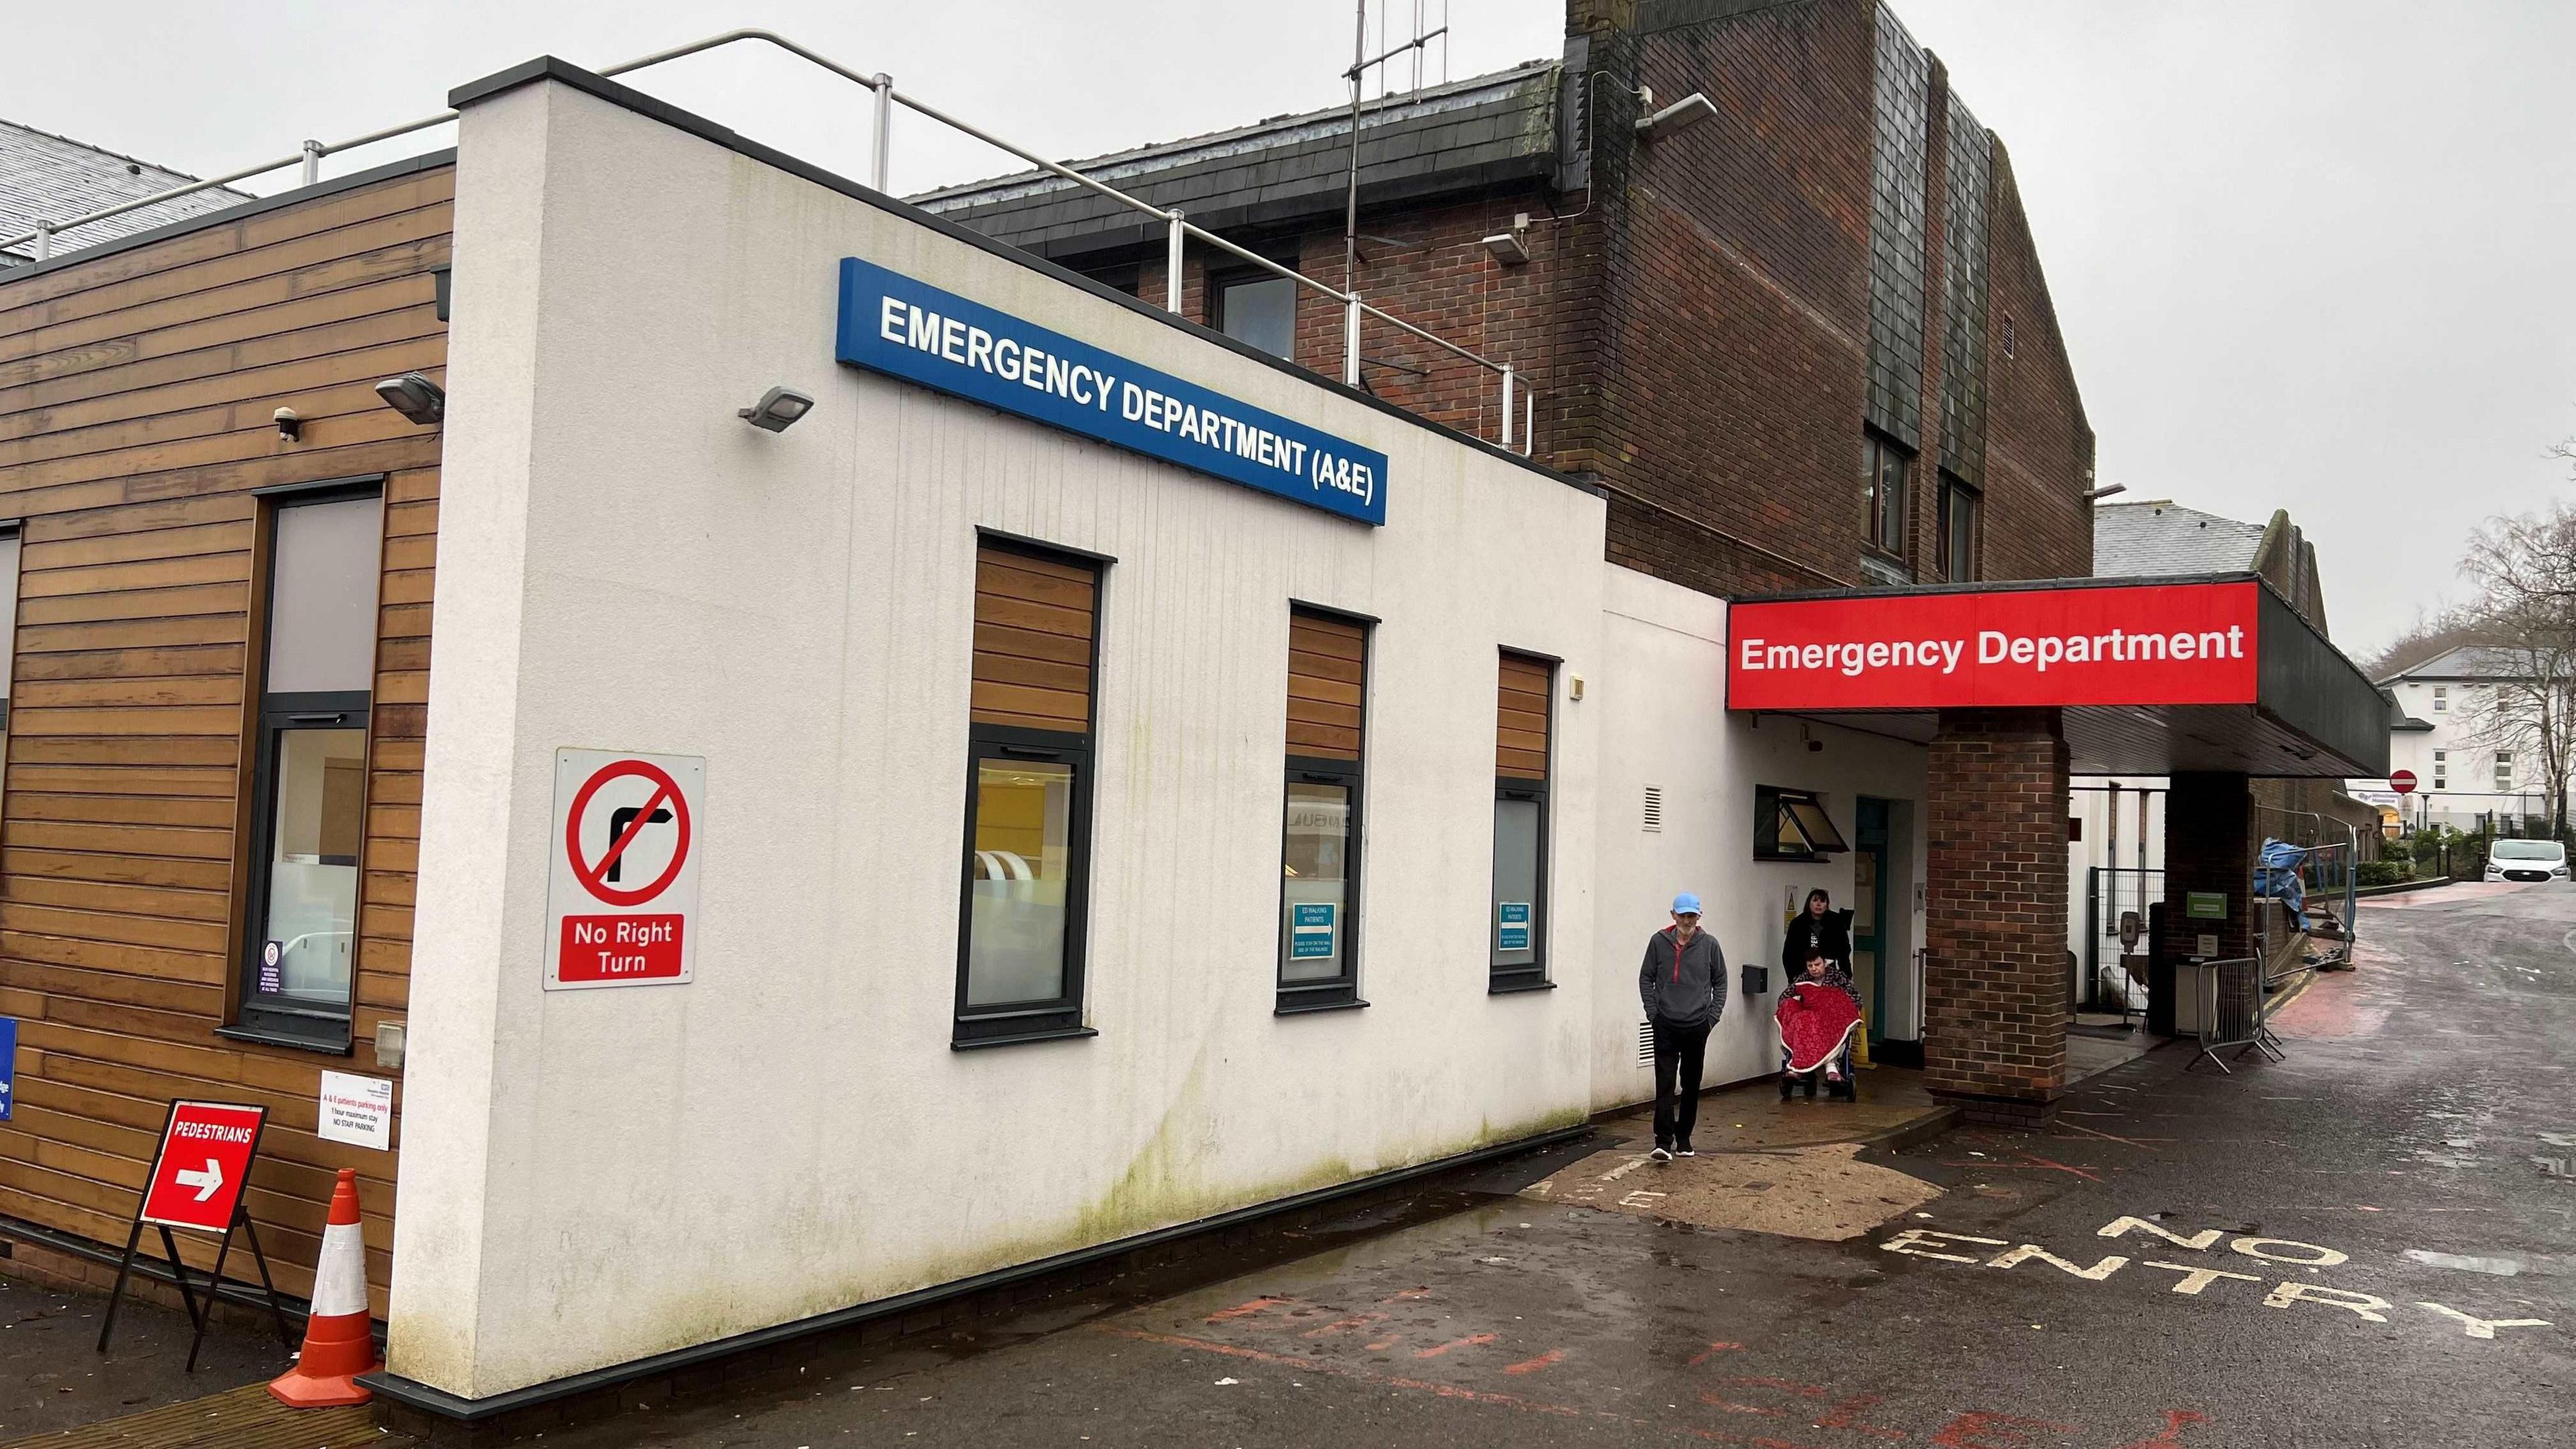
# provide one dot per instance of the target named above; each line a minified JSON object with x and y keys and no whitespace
{"x":1995,"y":1003}
{"x":2209,"y":847}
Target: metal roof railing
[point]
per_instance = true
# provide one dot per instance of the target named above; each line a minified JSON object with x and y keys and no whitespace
{"x":881,"y":86}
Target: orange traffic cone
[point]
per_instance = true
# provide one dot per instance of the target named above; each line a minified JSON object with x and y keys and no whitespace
{"x":337,"y":1344}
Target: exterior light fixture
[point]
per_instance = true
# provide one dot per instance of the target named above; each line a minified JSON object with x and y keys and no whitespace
{"x":414,"y":396}
{"x":1680,"y":116}
{"x":1507,"y":246}
{"x":2096,"y":495}
{"x":777,"y":408}
{"x":290,"y":428}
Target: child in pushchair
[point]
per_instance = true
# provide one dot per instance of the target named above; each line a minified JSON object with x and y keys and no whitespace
{"x":1818,"y":1016}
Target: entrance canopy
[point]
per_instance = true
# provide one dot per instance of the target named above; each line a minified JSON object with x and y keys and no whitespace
{"x":2154,"y":676}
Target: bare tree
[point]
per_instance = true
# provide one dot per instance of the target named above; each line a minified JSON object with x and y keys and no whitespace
{"x":2525,"y":569}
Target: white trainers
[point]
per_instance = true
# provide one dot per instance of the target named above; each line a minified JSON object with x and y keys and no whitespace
{"x":1661,"y":1153}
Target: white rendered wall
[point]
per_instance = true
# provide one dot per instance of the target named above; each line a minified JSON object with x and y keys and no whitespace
{"x":595,"y":1176}
{"x":1659,"y":697}
{"x":2461,"y":731}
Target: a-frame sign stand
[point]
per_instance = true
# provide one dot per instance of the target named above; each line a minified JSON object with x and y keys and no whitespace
{"x":196,"y":1183}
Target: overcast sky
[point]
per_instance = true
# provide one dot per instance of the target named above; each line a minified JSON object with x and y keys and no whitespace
{"x":2308,"y":255}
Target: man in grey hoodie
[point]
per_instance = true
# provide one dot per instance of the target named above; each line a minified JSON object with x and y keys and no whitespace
{"x":1683,"y":985}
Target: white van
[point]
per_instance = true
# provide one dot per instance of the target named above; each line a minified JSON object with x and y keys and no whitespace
{"x":2526,"y":860}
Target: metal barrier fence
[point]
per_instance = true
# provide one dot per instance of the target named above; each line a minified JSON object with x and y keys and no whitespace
{"x":2234,"y":1012}
{"x":885,"y":99}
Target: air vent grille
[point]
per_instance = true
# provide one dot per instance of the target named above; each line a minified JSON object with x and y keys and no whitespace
{"x":1654,"y":819}
{"x":1645,"y":1043}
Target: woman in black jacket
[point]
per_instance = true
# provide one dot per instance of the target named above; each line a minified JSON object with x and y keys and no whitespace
{"x":1821,"y":927}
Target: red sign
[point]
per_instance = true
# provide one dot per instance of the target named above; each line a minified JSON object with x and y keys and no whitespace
{"x":197,"y":1176}
{"x":625,"y":884}
{"x":2402,"y":781}
{"x":2153,"y":644}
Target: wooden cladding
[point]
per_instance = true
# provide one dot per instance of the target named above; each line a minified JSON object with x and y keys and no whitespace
{"x":1035,"y":617}
{"x":1327,"y":675}
{"x":136,"y":390}
{"x":1520,"y":733}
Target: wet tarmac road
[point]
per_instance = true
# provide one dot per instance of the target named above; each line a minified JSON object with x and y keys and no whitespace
{"x":2369,"y":1243}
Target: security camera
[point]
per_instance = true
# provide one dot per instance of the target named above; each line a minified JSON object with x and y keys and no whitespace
{"x":289,"y":426}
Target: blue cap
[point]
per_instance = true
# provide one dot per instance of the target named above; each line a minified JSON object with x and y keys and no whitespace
{"x":1686,"y":904}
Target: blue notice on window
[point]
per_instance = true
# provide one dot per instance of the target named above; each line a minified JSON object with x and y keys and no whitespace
{"x":8,"y":1066}
{"x":1310,"y":930}
{"x":893,"y":324}
{"x":1512,"y":933}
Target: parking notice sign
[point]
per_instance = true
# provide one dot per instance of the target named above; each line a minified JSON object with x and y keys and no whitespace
{"x":197,"y":1176}
{"x":622,"y":896}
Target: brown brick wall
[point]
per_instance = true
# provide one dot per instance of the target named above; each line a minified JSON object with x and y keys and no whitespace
{"x":2039,"y":448}
{"x":1696,"y":324}
{"x":1995,"y":990}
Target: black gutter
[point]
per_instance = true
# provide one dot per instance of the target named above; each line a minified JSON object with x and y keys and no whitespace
{"x":413,"y":1394}
{"x":550,"y":68}
{"x":230,"y":214}
{"x":2007,"y":586}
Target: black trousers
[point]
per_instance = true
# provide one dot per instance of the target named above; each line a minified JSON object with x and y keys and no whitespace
{"x":1680,"y":1049}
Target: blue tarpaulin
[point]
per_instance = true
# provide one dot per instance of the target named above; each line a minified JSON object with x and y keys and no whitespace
{"x":2278,"y":876}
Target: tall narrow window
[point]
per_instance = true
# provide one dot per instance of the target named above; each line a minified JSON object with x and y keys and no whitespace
{"x":1028,"y":798}
{"x":1882,"y":489}
{"x":8,"y":630}
{"x":1517,"y":924}
{"x":317,"y":669}
{"x":1959,"y":508}
{"x":1320,"y":845}
{"x":2504,"y":770}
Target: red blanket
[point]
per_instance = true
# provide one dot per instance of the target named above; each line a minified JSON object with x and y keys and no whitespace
{"x":1815,"y":1020}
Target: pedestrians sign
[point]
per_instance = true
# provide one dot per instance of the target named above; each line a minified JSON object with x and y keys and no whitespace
{"x":1310,"y":930}
{"x":205,"y":1155}
{"x":196,"y":1183}
{"x":624,"y":881}
{"x":1513,"y":933}
{"x":2402,"y":781}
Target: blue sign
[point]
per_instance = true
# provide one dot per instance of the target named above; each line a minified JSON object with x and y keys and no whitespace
{"x":903,"y":328}
{"x":1512,"y":934}
{"x":1310,"y":929}
{"x":8,"y":1066}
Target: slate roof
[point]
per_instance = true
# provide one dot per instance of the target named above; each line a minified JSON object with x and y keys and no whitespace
{"x":1441,"y":139}
{"x":45,"y":177}
{"x":2132,"y":540}
{"x":2469,"y":661}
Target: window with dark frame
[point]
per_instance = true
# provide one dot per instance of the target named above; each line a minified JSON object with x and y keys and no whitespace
{"x":1516,"y":924}
{"x":1028,"y":797}
{"x":1792,"y":825}
{"x":1960,"y":506}
{"x":1258,"y":309}
{"x":1883,"y":469}
{"x":8,"y":628}
{"x":316,"y":666}
{"x":1320,"y":839}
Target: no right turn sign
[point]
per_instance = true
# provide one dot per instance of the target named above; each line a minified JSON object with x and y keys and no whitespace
{"x":624,"y":883}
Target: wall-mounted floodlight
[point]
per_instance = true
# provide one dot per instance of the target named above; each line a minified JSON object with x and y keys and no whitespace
{"x":1680,"y":116}
{"x":2096,"y":495}
{"x":1507,"y":246}
{"x":776,"y":409}
{"x":414,"y":396}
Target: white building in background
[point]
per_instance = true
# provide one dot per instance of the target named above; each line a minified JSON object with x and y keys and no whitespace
{"x":2471,"y":757}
